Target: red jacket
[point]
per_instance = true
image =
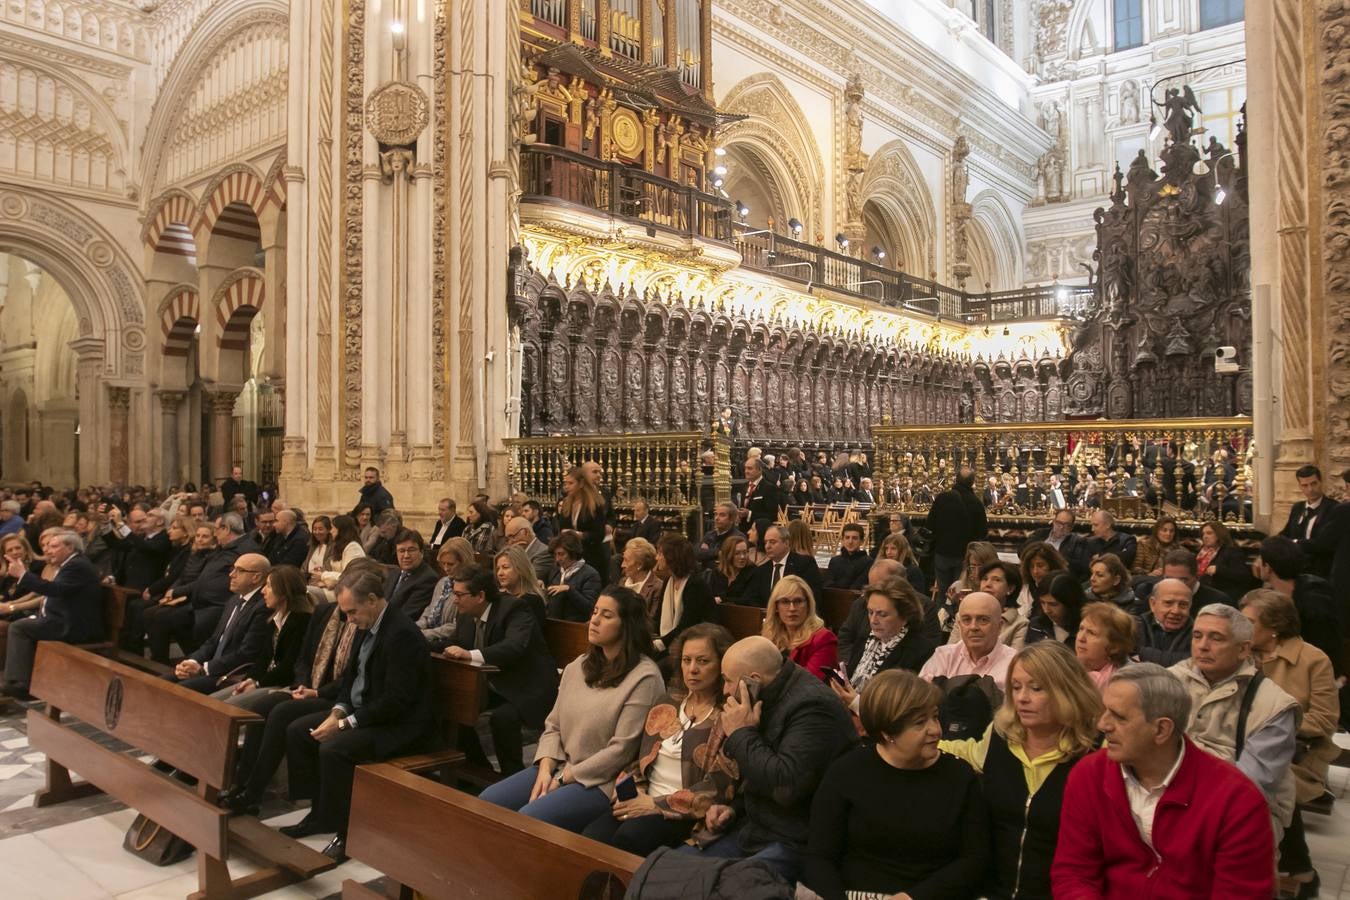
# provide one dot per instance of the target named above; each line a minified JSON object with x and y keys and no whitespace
{"x":817,"y":653}
{"x":1211,"y":831}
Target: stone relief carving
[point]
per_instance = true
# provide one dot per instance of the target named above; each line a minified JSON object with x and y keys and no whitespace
{"x":353,"y":134}
{"x":1129,"y":102}
{"x":1334,"y":19}
{"x":397,"y":112}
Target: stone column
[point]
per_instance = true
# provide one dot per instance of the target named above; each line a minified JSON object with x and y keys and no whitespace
{"x":220,"y":407}
{"x":170,"y":470}
{"x":119,"y":460}
{"x":91,"y":468}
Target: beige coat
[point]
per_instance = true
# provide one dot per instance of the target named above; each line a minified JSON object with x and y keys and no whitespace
{"x":1305,"y":674}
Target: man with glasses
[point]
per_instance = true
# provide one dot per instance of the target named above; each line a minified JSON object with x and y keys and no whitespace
{"x":978,"y":652}
{"x":519,"y":533}
{"x":1071,"y":545}
{"x":242,"y":637}
{"x":409,"y":589}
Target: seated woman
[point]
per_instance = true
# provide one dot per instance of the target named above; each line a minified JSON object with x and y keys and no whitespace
{"x":1221,"y":563}
{"x":1038,"y":559}
{"x":896,"y":546}
{"x":1002,"y":580}
{"x":364,"y":518}
{"x":731,"y":579}
{"x":638,"y":565}
{"x":1150,"y":549}
{"x":515,"y":576}
{"x":680,"y":769}
{"x":685,"y":598}
{"x":1059,"y":610}
{"x":896,"y":639}
{"x":344,"y":546}
{"x":791,"y":622}
{"x":755,"y":536}
{"x":320,"y":536}
{"x":596,"y":725}
{"x":1109,"y":582}
{"x":1305,"y":673}
{"x":1105,"y":641}
{"x":978,"y":555}
{"x":284,"y":594}
{"x":862,"y":841}
{"x":801,"y":539}
{"x":481,"y":530}
{"x":437,"y":621}
{"x":1046,"y":724}
{"x":16,"y":605}
{"x":181,"y":531}
{"x":572,"y":585}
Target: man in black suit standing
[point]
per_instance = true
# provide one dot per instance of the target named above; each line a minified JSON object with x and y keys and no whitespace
{"x":71,"y":611}
{"x":956,"y":518}
{"x":644,"y":526}
{"x":409,"y":589}
{"x":782,"y":562}
{"x":242,"y":636}
{"x":384,"y":709}
{"x":1308,"y":518}
{"x":760,"y":500}
{"x":448,"y":524}
{"x":502,"y":631}
{"x":237,"y":484}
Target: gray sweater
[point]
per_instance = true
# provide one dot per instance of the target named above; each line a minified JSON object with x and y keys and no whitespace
{"x":597,"y":730}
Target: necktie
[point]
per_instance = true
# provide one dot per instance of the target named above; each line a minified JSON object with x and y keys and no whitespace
{"x":398,"y":582}
{"x":479,"y":634}
{"x":777,"y":574}
{"x":225,"y":634}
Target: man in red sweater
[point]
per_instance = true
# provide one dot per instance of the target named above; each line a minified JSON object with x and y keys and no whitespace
{"x":1155,"y":816}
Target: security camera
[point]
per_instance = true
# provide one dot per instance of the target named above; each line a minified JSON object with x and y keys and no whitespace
{"x":1225,"y":360}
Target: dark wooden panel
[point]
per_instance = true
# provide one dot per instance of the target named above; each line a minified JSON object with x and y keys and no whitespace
{"x":447,"y":844}
{"x":185,"y":729}
{"x":164,"y":800}
{"x":834,"y":606}
{"x":741,"y":621}
{"x":461,"y":689}
{"x":251,"y":835}
{"x":566,"y":640}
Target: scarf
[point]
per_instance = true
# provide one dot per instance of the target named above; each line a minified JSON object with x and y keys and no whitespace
{"x":336,"y":635}
{"x":672,"y":604}
{"x":874,"y":654}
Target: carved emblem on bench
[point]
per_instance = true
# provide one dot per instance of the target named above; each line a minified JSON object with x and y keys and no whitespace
{"x":112,"y":704}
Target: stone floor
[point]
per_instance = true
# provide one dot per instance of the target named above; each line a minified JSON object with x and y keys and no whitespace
{"x":73,"y":851}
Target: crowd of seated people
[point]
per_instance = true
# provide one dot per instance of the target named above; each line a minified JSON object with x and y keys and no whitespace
{"x":983,"y":703}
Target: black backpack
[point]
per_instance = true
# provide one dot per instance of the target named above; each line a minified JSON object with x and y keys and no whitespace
{"x":968,"y":704}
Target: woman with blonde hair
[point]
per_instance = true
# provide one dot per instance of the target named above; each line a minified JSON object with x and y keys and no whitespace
{"x":1106,"y":635}
{"x":978,"y":555}
{"x":516,"y":576}
{"x":438,"y":619}
{"x":794,"y":627}
{"x":896,"y":546}
{"x":13,"y":547}
{"x":1046,"y":724}
{"x":1109,"y":582}
{"x":637,"y":566}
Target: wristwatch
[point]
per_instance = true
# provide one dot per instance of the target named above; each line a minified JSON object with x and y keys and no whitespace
{"x":342,"y":724}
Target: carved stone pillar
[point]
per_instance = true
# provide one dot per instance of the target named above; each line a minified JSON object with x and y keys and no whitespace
{"x":119,"y":460}
{"x":169,"y":402}
{"x":219,"y":405}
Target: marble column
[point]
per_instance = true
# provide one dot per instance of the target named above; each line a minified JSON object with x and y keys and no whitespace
{"x":170,"y":469}
{"x":220,"y":406}
{"x":119,"y":460}
{"x":91,"y":468}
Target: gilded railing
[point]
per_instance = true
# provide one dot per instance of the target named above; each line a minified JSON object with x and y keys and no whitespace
{"x":664,"y":468}
{"x":1191,"y":469}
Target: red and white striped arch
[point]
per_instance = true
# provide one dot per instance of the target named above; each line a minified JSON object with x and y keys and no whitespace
{"x":179,"y":316}
{"x":171,"y":229}
{"x":240,"y":186}
{"x":236,"y":305}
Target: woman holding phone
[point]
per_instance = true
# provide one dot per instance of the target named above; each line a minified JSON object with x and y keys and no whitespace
{"x":680,"y":769}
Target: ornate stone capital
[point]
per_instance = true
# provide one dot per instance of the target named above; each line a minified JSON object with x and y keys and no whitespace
{"x":119,"y":399}
{"x":169,"y":401}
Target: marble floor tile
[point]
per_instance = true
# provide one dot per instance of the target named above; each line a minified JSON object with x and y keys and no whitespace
{"x":34,"y":871}
{"x":94,"y":847}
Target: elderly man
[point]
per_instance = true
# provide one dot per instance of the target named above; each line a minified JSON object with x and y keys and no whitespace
{"x":724,"y":526}
{"x":783,"y":728}
{"x":781,"y":563}
{"x":1105,"y":538}
{"x":449,"y":523}
{"x":143,"y":547}
{"x":1235,"y":716}
{"x":519,"y":533}
{"x":242,"y":636}
{"x":760,"y":500}
{"x":290,"y":543}
{"x":978,"y":652}
{"x":71,"y":609}
{"x":1181,"y":565}
{"x":1153,"y":816}
{"x":409,"y":589}
{"x":1071,"y":545}
{"x":387,"y":525}
{"x":644,"y":526}
{"x":1163,"y":632}
{"x":10,"y":518}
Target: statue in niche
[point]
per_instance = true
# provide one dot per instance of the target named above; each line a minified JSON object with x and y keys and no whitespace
{"x":1129,"y":102}
{"x":853,"y":122}
{"x":1051,"y":116}
{"x":960,"y":174}
{"x":855,"y":198}
{"x":1051,"y":177}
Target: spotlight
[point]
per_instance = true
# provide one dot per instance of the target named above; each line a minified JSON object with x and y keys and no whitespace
{"x":878,"y":254}
{"x":1220,"y":196}
{"x":841,"y":241}
{"x":717,"y":182}
{"x":720,"y":151}
{"x":1201,"y":167}
{"x":794,"y":226}
{"x":741,"y":209}
{"x":719,"y":170}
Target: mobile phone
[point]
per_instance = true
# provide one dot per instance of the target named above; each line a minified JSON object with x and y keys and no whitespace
{"x":751,"y":689}
{"x":626,"y":788}
{"x":835,"y":675}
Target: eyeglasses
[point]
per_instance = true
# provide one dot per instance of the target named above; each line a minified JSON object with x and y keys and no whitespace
{"x":238,"y":571}
{"x":461,"y":595}
{"x":791,"y":601}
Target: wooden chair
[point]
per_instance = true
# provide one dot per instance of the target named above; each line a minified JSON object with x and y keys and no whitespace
{"x":445,"y":844}
{"x":566,"y":640}
{"x":741,"y":621}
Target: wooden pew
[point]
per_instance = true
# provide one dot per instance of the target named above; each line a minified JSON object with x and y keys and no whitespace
{"x":189,"y":731}
{"x":446,"y":844}
{"x":741,"y":621}
{"x":834,"y":606}
{"x":566,"y":640}
{"x":461,"y":697}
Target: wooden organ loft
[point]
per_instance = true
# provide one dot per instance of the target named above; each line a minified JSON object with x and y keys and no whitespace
{"x":623,"y":82}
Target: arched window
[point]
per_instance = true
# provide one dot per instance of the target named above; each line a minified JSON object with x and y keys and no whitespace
{"x":1129,"y":23}
{"x":1214,"y":13}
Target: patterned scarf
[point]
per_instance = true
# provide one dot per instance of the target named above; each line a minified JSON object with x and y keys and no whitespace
{"x":336,"y":634}
{"x":874,"y":654}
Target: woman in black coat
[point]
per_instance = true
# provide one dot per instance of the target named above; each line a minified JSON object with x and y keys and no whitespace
{"x":583,"y":510}
{"x":686,"y":599}
{"x":895,"y":640}
{"x":291,"y":609}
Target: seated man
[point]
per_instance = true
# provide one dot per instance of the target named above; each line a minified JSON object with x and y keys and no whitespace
{"x":290,"y":543}
{"x":1151,"y":815}
{"x":519,"y":533}
{"x":502,"y":631}
{"x":1105,"y":538}
{"x":723,"y":527}
{"x":783,"y":731}
{"x":388,"y":524}
{"x":384,"y":709}
{"x":1217,"y":677}
{"x":1181,"y":565}
{"x":782,"y":562}
{"x":1163,"y":632}
{"x":242,"y":637}
{"x":409,"y":589}
{"x":1280,"y":566}
{"x":979,"y":652}
{"x":71,"y":611}
{"x":849,"y":568}
{"x":192,"y":622}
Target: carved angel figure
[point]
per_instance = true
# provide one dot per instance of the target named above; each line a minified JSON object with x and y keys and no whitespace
{"x":1177,"y":117}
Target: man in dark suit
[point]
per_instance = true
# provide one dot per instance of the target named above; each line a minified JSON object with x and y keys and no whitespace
{"x":520,"y":534}
{"x":409,"y":589}
{"x":1181,"y":565}
{"x":849,"y":568}
{"x":1071,"y":545}
{"x":384,"y":709}
{"x":543,"y":528}
{"x":956,"y":518}
{"x":144,"y":549}
{"x":1105,"y":538}
{"x":71,"y":611}
{"x":237,"y":484}
{"x":723,"y":527}
{"x":760,"y":500}
{"x":503,"y":632}
{"x":448,"y":524}
{"x":782,"y":562}
{"x":1308,"y":518}
{"x":243,"y":635}
{"x":644,"y":526}
{"x":290,"y":541}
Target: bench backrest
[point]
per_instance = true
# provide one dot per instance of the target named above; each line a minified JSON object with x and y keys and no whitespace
{"x":566,"y":640}
{"x":461,"y":690}
{"x":834,"y":606}
{"x":189,"y":731}
{"x":741,"y":621}
{"x":442,"y":842}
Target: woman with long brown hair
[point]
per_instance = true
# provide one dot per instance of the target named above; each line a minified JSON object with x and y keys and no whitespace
{"x":730,"y":581}
{"x":1161,"y":540}
{"x":584,"y":511}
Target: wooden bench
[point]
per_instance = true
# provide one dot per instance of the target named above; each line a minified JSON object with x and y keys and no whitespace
{"x":834,"y":606}
{"x":741,"y":621}
{"x":461,"y":697}
{"x":191,"y":732}
{"x":566,"y":640}
{"x":446,"y":844}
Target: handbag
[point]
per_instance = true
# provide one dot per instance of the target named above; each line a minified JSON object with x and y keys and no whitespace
{"x":154,"y":843}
